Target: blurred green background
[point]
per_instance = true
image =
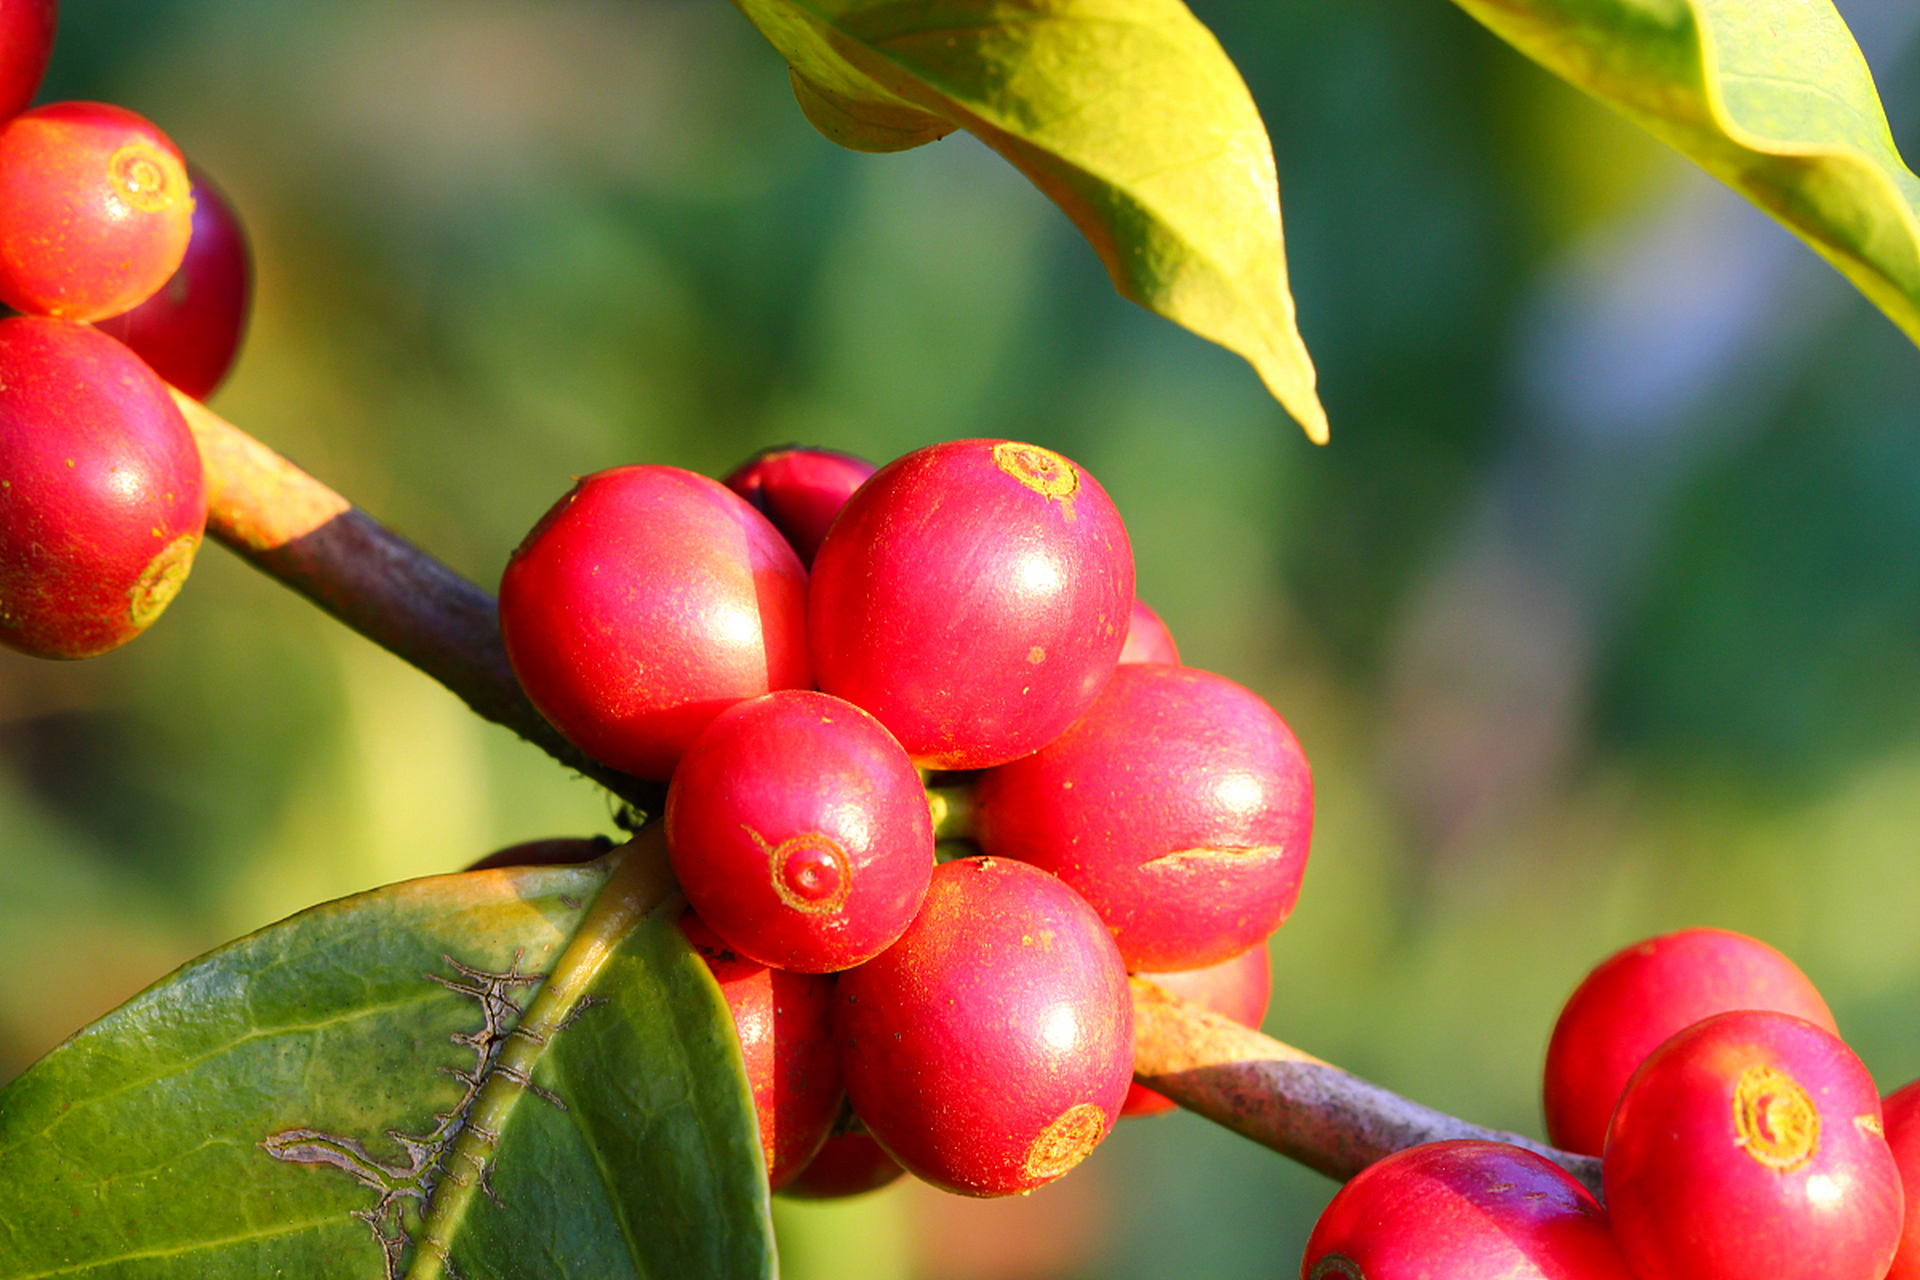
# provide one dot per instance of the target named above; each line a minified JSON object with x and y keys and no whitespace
{"x":1600,"y":616}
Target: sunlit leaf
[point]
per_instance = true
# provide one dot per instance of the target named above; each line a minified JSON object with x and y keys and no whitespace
{"x":1126,"y":113}
{"x":1770,"y":96}
{"x":356,"y":1092}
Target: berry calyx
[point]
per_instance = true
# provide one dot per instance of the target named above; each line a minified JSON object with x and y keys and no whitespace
{"x":974,"y":597}
{"x":189,"y":331}
{"x":799,"y":831}
{"x":645,"y":603}
{"x":1638,"y":997}
{"x":102,"y":493}
{"x":95,"y":210}
{"x":990,"y":1048}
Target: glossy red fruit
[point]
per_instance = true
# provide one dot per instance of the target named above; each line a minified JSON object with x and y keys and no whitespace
{"x":102,"y":494}
{"x":1463,"y":1210}
{"x":1901,"y":1110}
{"x":1236,"y":988}
{"x":990,"y":1048}
{"x":560,"y":851}
{"x":1638,"y":997}
{"x":189,"y":332}
{"x":95,"y":210}
{"x":1179,"y":806}
{"x":1148,"y":639}
{"x":26,"y":42}
{"x":645,"y":603}
{"x":850,"y":1164}
{"x":974,"y":596}
{"x":786,"y":1042}
{"x":800,"y":491}
{"x":1750,"y":1144}
{"x":800,"y":832}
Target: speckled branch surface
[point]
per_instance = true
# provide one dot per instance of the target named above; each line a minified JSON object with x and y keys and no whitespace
{"x":297,"y":530}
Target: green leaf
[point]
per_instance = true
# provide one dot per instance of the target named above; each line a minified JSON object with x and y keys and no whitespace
{"x":1770,"y":96}
{"x":355,"y":1092}
{"x":1126,"y":113}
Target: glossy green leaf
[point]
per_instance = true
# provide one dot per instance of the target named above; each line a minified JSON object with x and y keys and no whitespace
{"x":1126,"y":113}
{"x":1771,"y":96}
{"x":356,"y":1092}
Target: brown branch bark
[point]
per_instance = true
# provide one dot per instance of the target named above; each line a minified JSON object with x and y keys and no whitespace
{"x":297,"y":530}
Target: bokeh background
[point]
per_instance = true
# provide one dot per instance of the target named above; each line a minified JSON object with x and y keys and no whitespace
{"x":1600,"y":616}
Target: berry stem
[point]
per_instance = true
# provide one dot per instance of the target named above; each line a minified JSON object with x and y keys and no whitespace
{"x":1305,"y":1109}
{"x":298,"y":531}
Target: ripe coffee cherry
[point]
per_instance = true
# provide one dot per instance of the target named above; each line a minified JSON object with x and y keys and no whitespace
{"x":1148,"y":639}
{"x":990,"y":1048}
{"x":1179,"y":806}
{"x":1236,"y":988}
{"x":800,"y":491}
{"x":645,"y":603}
{"x":1750,"y":1144}
{"x":190,"y":331}
{"x":102,"y":494}
{"x":1643,"y":994}
{"x":1463,"y":1210}
{"x":800,"y":833}
{"x":1902,"y":1111}
{"x":560,"y":851}
{"x":974,"y":596}
{"x":95,"y":210}
{"x":26,"y":42}
{"x":850,"y":1164}
{"x":786,"y":1042}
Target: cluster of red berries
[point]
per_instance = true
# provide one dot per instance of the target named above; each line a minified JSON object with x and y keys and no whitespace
{"x":797,"y":652}
{"x":1739,"y":1138}
{"x":104,"y":230}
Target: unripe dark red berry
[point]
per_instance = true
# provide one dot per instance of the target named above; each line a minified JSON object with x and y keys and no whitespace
{"x":1638,"y":997}
{"x":990,"y":1048}
{"x":786,"y":1042}
{"x":189,"y":332}
{"x":800,"y":491}
{"x":850,"y":1164}
{"x":1463,"y":1210}
{"x":1751,"y":1144}
{"x":1236,"y":988}
{"x":645,"y":603}
{"x":95,"y":210}
{"x":974,"y":597}
{"x":1901,"y":1109}
{"x":26,"y":42}
{"x":1179,"y":806}
{"x":1148,"y":639}
{"x":102,"y":493}
{"x":800,"y":832}
{"x":560,"y":851}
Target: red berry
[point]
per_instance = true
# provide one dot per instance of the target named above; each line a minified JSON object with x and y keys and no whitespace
{"x":95,"y":210}
{"x":1463,"y":1210}
{"x":974,"y":596}
{"x":1902,"y":1111}
{"x":189,"y":332}
{"x":850,"y":1164}
{"x":1236,"y":988}
{"x":799,"y":831}
{"x":786,"y":1043}
{"x":1148,"y":639}
{"x":990,"y":1048}
{"x":1751,"y":1145}
{"x":1638,"y":997}
{"x":800,"y":491}
{"x":645,"y":603}
{"x":26,"y":42}
{"x":1180,"y":807}
{"x":559,"y":851}
{"x":102,"y":494}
